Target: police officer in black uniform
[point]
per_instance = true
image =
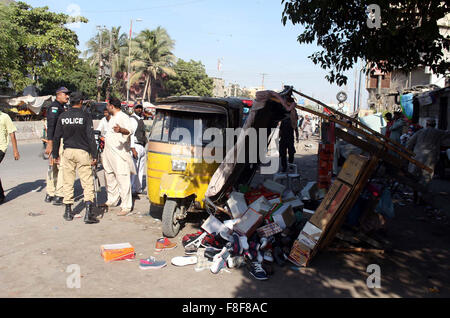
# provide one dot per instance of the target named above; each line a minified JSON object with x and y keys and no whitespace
{"x":55,"y":180}
{"x":80,"y":152}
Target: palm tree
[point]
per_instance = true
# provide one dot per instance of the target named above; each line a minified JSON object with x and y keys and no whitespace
{"x":113,"y":51}
{"x":152,"y":56}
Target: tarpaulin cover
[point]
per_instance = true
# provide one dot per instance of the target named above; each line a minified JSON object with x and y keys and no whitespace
{"x":406,"y":101}
{"x":34,"y":104}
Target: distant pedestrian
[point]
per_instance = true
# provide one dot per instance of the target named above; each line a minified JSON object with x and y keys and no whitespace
{"x":7,"y":128}
{"x":426,"y":145}
{"x":104,"y":122}
{"x":306,"y":128}
{"x":389,"y":124}
{"x":396,"y":130}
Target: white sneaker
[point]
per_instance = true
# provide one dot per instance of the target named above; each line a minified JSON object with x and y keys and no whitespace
{"x":260,"y":257}
{"x":219,"y":261}
{"x":244,"y":242}
{"x":184,"y":260}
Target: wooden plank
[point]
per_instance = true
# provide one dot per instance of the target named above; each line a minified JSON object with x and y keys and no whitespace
{"x":370,"y":148}
{"x":353,"y":120}
{"x":357,"y":189}
{"x":367,"y":135}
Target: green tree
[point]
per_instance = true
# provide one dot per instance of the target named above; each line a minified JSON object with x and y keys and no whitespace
{"x":152,"y":57}
{"x":190,"y":79}
{"x":46,"y":46}
{"x":408,"y":37}
{"x":10,"y":63}
{"x":81,"y":78}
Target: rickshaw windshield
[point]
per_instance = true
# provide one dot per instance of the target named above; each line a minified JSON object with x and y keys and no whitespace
{"x":185,"y":127}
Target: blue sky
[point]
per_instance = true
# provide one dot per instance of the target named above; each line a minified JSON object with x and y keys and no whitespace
{"x":247,"y":35}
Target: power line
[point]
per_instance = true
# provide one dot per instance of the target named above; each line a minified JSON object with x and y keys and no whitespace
{"x":145,"y":9}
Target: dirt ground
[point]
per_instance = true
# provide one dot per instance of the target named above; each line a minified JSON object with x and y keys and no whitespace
{"x":38,"y":245}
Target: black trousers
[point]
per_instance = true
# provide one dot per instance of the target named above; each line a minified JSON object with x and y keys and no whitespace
{"x":286,"y":147}
{"x":2,"y":193}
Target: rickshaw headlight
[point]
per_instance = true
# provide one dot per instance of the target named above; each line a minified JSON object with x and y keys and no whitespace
{"x":179,"y":165}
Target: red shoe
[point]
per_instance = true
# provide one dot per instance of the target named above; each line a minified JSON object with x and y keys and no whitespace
{"x":164,"y":244}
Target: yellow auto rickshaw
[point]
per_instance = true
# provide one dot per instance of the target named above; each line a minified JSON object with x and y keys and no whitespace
{"x":178,"y":169}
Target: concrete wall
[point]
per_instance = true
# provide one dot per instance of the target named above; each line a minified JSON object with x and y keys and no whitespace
{"x":31,"y":131}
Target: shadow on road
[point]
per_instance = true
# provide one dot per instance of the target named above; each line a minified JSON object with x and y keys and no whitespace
{"x":24,"y":188}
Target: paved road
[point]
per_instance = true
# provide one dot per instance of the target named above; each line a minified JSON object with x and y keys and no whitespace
{"x":37,"y":250}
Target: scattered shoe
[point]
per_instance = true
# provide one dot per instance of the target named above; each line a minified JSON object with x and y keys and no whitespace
{"x":193,"y":239}
{"x":235,"y":261}
{"x":219,"y":261}
{"x":268,"y":256}
{"x":256,"y":270}
{"x":151,"y":263}
{"x":226,"y":236}
{"x":184,"y":260}
{"x":58,"y":201}
{"x":264,"y":241}
{"x":212,"y":240}
{"x":164,"y":244}
{"x":191,"y":250}
{"x":48,"y":198}
{"x":236,"y":245}
{"x":259,"y":257}
{"x":210,"y":252}
{"x":244,"y":242}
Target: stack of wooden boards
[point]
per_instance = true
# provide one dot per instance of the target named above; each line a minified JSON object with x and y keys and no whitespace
{"x":322,"y":227}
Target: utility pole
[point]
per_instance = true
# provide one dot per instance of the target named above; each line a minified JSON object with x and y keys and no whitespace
{"x":263,"y":76}
{"x":129,"y":60}
{"x":108,"y":92}
{"x":99,"y":78}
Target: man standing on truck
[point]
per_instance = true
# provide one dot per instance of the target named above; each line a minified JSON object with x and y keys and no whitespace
{"x":54,"y":178}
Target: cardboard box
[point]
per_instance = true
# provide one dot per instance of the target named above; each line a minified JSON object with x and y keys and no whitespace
{"x":330,"y":204}
{"x":117,"y":252}
{"x":310,"y":235}
{"x":269,"y":230}
{"x":300,"y":254}
{"x":284,"y":216}
{"x":237,"y":204}
{"x":213,"y":225}
{"x":249,"y":222}
{"x":261,"y":205}
{"x":274,"y":186}
{"x":352,"y":168}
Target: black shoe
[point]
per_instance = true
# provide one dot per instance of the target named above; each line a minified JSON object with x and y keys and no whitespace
{"x":68,"y":216}
{"x":2,"y":199}
{"x":89,"y":217}
{"x":58,"y":201}
{"x":48,"y":198}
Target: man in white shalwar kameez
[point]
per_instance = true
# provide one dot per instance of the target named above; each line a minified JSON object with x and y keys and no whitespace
{"x":117,"y":160}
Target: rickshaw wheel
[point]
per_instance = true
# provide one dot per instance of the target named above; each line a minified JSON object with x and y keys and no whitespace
{"x":170,"y":223}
